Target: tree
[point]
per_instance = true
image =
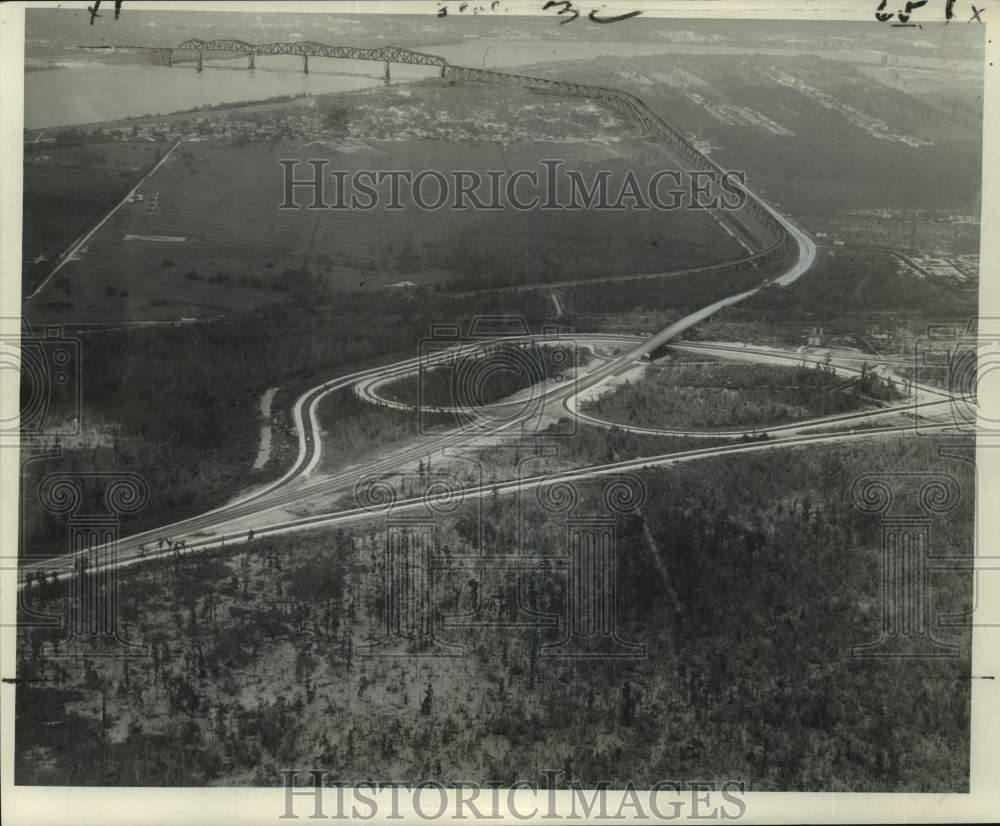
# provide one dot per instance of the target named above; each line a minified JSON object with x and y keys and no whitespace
{"x":629,"y":701}
{"x":337,"y":121}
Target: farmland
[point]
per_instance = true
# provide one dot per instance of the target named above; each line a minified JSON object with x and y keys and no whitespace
{"x":207,"y":237}
{"x":66,"y":191}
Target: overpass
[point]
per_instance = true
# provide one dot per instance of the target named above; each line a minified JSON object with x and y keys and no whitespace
{"x":777,"y":234}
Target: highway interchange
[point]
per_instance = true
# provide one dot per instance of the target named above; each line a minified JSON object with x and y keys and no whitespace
{"x":265,"y":509}
{"x":227,"y":524}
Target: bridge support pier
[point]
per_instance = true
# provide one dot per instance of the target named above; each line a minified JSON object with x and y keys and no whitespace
{"x":200,"y":67}
{"x":305,"y":63}
{"x":250,"y":60}
{"x":387,"y":77}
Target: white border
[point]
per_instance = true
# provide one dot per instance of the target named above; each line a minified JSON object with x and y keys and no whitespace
{"x":48,"y":805}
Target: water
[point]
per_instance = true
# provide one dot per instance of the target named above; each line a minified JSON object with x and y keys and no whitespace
{"x":90,"y":92}
{"x":87,"y":92}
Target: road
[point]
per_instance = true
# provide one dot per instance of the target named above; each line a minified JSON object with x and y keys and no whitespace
{"x":927,"y":401}
{"x":68,"y":255}
{"x":289,"y":489}
{"x":294,"y":486}
{"x":506,"y":488}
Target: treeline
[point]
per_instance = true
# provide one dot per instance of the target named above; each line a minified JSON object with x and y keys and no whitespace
{"x":596,"y":304}
{"x":863,"y":284}
{"x":180,"y":405}
{"x":748,"y":580}
{"x":739,"y":394}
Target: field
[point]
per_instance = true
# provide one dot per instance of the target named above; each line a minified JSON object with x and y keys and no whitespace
{"x":722,"y":394}
{"x":748,"y":581}
{"x":67,"y":189}
{"x":208,"y":236}
{"x":817,"y":136}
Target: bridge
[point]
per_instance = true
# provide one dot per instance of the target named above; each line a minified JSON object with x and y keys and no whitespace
{"x":305,"y":49}
{"x":770,"y":236}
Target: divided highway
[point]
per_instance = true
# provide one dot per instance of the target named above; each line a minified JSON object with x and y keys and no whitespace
{"x":220,"y":524}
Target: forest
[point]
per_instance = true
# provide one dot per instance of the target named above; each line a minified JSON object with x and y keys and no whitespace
{"x":614,"y":305}
{"x":845,"y":293}
{"x":749,"y":580}
{"x":737,"y":394}
{"x":179,"y":405}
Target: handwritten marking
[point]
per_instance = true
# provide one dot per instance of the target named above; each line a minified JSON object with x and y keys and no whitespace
{"x":593,"y":16}
{"x":903,"y":15}
{"x":97,"y":5}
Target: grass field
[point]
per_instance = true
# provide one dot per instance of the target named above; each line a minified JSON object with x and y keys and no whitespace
{"x":67,"y":189}
{"x":223,"y":202}
{"x":208,"y":237}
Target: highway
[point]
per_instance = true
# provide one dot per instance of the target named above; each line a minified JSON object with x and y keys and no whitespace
{"x":127,"y":556}
{"x":216,"y":527}
{"x":295,"y":486}
{"x":927,"y":401}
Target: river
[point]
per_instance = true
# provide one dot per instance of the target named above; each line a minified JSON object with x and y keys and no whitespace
{"x":89,"y":92}
{"x":86,"y":91}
